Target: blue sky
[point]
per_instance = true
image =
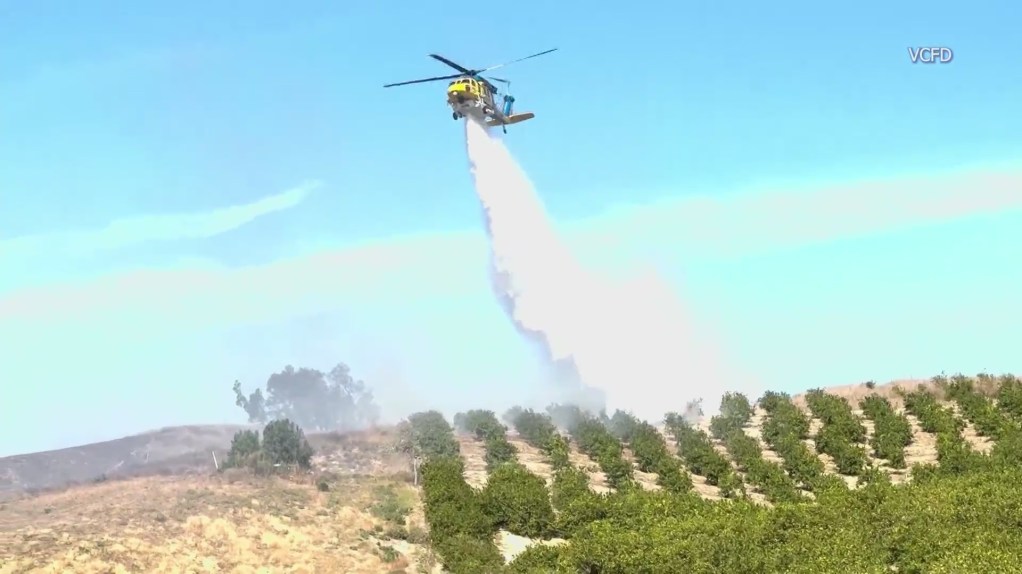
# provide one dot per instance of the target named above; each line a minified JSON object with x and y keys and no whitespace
{"x":191,"y":193}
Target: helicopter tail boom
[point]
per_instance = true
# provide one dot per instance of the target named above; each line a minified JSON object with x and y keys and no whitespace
{"x":509,"y":120}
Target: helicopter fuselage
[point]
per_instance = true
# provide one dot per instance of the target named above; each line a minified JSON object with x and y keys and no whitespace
{"x":470,"y":97}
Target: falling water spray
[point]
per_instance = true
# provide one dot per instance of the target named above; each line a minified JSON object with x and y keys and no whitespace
{"x":614,"y":344}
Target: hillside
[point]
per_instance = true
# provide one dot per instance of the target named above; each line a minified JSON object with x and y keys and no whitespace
{"x":802,"y":476}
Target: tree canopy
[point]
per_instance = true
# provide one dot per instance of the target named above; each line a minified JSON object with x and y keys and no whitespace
{"x":313,"y":399}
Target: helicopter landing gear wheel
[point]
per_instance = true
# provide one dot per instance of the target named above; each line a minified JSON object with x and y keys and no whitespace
{"x":454,"y":116}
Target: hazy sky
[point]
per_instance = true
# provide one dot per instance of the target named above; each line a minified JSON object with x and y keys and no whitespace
{"x":191,"y":195}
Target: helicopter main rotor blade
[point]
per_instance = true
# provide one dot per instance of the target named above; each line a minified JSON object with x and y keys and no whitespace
{"x":433,"y":79}
{"x":518,"y":60}
{"x":458,"y":67}
{"x":498,"y":79}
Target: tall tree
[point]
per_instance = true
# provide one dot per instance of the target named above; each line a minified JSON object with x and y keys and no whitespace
{"x":314,"y":400}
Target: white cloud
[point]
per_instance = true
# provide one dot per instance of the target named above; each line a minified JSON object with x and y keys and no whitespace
{"x":761,"y":220}
{"x":144,"y":228}
{"x":406,"y":270}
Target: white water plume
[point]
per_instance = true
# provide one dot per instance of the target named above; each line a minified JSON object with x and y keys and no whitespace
{"x":628,"y":340}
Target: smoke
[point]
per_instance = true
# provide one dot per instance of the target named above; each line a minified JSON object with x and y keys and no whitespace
{"x":615,"y":344}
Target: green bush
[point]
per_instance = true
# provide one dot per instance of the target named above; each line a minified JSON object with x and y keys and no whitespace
{"x":517,"y":501}
{"x":244,"y":444}
{"x":390,"y":506}
{"x":498,"y":451}
{"x":768,"y":477}
{"x":783,"y":430}
{"x":481,"y":423}
{"x":650,"y":451}
{"x":534,"y":428}
{"x":926,"y":527}
{"x":891,"y":431}
{"x":595,"y":440}
{"x":735,"y":413}
{"x":284,"y":443}
{"x":1009,"y":396}
{"x":557,"y":451}
{"x":538,"y":431}
{"x":580,"y":512}
{"x":567,"y":416}
{"x":511,"y":415}
{"x":954,"y":456}
{"x":696,"y":449}
{"x":464,"y":554}
{"x":933,"y":418}
{"x":569,"y":484}
{"x":988,"y":419}
{"x":841,"y":432}
{"x":536,"y":559}
{"x":431,"y":435}
{"x":958,"y":516}
{"x":451,"y":506}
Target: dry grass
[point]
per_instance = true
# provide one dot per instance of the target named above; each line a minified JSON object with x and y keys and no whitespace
{"x":212,"y":524}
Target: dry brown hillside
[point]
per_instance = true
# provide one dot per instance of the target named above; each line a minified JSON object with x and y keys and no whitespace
{"x":140,"y":518}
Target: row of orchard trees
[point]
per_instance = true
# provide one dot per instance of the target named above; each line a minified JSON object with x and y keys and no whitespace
{"x":961,"y":515}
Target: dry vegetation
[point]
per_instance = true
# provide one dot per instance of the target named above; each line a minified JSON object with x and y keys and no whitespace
{"x":214,"y":524}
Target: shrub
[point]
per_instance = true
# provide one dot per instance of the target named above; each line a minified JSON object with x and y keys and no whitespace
{"x":841,"y":431}
{"x":622,"y":424}
{"x":539,"y":431}
{"x":933,"y":418}
{"x":511,"y":415}
{"x":284,"y":443}
{"x":535,"y":428}
{"x":735,"y":413}
{"x":768,"y":477}
{"x":452,"y":507}
{"x":783,"y":430}
{"x":432,"y":436}
{"x":557,"y":451}
{"x":498,"y":451}
{"x":579,"y":512}
{"x":891,"y":431}
{"x":480,"y":423}
{"x":517,"y":501}
{"x":569,"y":483}
{"x":464,"y":554}
{"x":536,"y":559}
{"x":650,"y":451}
{"x":978,"y":409}
{"x":1009,"y":396}
{"x":567,"y":416}
{"x":244,"y":444}
{"x":695,"y":447}
{"x":934,"y":526}
{"x":595,"y":440}
{"x":390,"y":505}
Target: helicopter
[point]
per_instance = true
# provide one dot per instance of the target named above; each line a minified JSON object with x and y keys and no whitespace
{"x":470,"y":94}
